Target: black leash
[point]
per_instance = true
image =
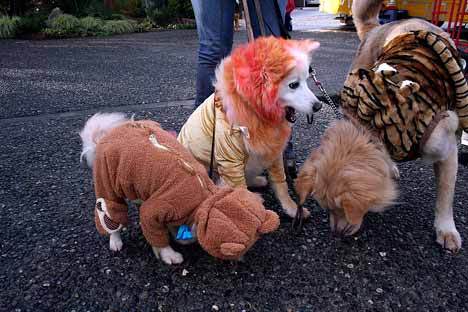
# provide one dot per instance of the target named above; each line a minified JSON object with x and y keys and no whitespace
{"x":210,"y":172}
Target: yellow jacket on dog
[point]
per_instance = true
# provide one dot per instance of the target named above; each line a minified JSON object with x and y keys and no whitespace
{"x":230,"y":152}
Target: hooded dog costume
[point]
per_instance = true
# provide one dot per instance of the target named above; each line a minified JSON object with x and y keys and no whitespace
{"x":139,"y":160}
{"x":407,"y":92}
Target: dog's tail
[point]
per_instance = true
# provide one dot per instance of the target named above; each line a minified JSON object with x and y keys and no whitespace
{"x":95,"y":128}
{"x":366,"y":15}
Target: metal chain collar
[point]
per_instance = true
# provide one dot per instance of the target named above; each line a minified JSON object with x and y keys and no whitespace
{"x":333,"y":105}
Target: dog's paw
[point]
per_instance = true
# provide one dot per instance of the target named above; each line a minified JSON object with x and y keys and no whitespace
{"x":115,"y":242}
{"x":449,"y":238}
{"x":168,"y":255}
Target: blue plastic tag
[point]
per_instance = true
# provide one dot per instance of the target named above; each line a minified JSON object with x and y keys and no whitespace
{"x":184,"y":233}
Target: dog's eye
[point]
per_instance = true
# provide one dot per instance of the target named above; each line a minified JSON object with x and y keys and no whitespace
{"x":294,"y":85}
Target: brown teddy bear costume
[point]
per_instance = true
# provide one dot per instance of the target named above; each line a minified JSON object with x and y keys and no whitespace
{"x":139,"y":160}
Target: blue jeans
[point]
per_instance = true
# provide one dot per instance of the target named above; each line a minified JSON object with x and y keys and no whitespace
{"x":215,"y":21}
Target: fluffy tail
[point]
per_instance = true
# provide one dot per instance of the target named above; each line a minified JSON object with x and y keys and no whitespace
{"x":366,"y":15}
{"x":95,"y":128}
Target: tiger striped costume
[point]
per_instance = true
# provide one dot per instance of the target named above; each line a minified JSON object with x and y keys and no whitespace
{"x":407,"y":92}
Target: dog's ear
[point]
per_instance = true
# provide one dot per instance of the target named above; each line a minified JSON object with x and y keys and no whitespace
{"x":232,"y":249}
{"x":354,"y":209}
{"x":258,"y":69}
{"x":308,"y":46}
{"x":270,"y":224}
{"x":408,"y":87}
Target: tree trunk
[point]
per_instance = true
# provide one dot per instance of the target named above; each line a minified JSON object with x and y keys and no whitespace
{"x":109,"y":4}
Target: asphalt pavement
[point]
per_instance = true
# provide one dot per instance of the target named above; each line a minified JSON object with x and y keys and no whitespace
{"x":52,"y":258}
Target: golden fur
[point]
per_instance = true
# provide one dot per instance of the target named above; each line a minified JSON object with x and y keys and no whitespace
{"x":348,"y":172}
{"x":352,"y":172}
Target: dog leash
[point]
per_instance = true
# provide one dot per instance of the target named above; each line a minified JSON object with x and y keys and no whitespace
{"x":298,"y":221}
{"x":210,"y":172}
{"x":333,"y":105}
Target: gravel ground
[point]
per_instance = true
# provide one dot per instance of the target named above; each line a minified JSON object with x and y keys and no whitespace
{"x":52,"y":258}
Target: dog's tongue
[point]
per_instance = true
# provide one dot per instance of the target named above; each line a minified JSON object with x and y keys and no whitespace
{"x":290,"y":114}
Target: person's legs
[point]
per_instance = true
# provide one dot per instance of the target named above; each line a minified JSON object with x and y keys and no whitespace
{"x":269,"y":17}
{"x":214,"y":20}
{"x":288,"y":21}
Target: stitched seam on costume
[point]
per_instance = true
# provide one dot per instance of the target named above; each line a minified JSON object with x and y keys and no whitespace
{"x":155,"y":143}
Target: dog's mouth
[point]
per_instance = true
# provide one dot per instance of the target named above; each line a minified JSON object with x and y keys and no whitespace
{"x":290,"y":114}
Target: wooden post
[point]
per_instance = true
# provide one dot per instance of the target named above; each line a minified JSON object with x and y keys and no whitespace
{"x":109,"y":4}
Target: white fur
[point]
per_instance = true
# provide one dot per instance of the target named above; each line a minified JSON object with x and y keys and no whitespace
{"x":407,"y":83}
{"x":168,"y":255}
{"x":441,"y":149}
{"x":101,"y":214}
{"x":464,"y":139}
{"x":95,"y":128}
{"x":442,"y":141}
{"x":301,"y":99}
{"x":384,"y":67}
{"x":115,"y":241}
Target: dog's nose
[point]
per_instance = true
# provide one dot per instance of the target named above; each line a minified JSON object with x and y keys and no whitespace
{"x":317,"y":106}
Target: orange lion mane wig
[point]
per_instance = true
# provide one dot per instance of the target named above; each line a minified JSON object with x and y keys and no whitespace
{"x":248,"y":82}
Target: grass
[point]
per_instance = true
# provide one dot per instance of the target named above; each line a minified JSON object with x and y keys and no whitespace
{"x":8,"y":26}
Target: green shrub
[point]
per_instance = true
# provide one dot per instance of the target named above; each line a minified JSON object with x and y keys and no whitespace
{"x":160,"y":17}
{"x":90,"y":25}
{"x":119,"y":27}
{"x":32,"y":23}
{"x":181,"y":26}
{"x":170,"y":13}
{"x":8,"y":26}
{"x":64,"y":25}
{"x":145,"y":25}
{"x":180,"y":8}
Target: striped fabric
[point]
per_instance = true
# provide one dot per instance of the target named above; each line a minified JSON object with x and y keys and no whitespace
{"x":402,"y":107}
{"x":109,"y":224}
